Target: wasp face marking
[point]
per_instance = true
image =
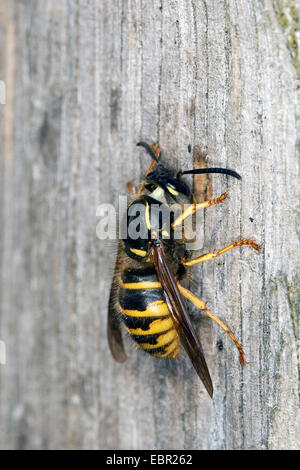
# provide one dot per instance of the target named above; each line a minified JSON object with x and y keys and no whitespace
{"x":172,"y":190}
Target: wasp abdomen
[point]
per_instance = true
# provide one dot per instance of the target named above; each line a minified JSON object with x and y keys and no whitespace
{"x":145,"y":313}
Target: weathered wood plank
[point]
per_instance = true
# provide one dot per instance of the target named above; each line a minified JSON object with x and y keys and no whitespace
{"x":85,"y":81}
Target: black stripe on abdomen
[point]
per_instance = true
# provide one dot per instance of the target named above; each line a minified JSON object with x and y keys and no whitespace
{"x":139,"y":299}
{"x":139,"y":275}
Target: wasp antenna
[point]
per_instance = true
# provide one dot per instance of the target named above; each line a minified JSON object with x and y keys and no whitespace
{"x":200,"y":171}
{"x":149,"y":150}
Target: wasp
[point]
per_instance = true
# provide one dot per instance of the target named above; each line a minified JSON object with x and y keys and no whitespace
{"x":147,"y":295}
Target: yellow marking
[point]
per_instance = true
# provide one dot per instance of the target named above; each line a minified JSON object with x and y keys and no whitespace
{"x":158,"y":308}
{"x":147,"y":216}
{"x":165,"y":233}
{"x":172,"y":191}
{"x":138,"y":252}
{"x":171,"y":350}
{"x":140,"y":285}
{"x":161,"y":340}
{"x":155,"y":327}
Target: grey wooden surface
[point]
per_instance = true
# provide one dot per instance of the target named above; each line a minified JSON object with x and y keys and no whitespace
{"x":85,"y":81}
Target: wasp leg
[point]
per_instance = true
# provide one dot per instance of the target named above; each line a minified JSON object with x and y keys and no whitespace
{"x":195,"y":207}
{"x":202,"y":306}
{"x":157,"y":152}
{"x":214,"y":254}
{"x":131,"y":188}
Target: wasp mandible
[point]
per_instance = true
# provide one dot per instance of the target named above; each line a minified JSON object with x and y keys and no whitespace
{"x":146,"y":294}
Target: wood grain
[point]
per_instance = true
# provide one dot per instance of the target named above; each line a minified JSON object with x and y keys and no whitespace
{"x":85,"y":81}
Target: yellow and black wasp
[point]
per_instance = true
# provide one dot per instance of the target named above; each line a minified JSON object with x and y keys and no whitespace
{"x":146,"y":294}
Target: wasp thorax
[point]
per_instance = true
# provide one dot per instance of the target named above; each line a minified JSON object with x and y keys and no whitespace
{"x":147,"y":219}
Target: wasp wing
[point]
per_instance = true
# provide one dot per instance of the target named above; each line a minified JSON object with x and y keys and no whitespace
{"x":178,"y":310}
{"x":114,"y":333}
